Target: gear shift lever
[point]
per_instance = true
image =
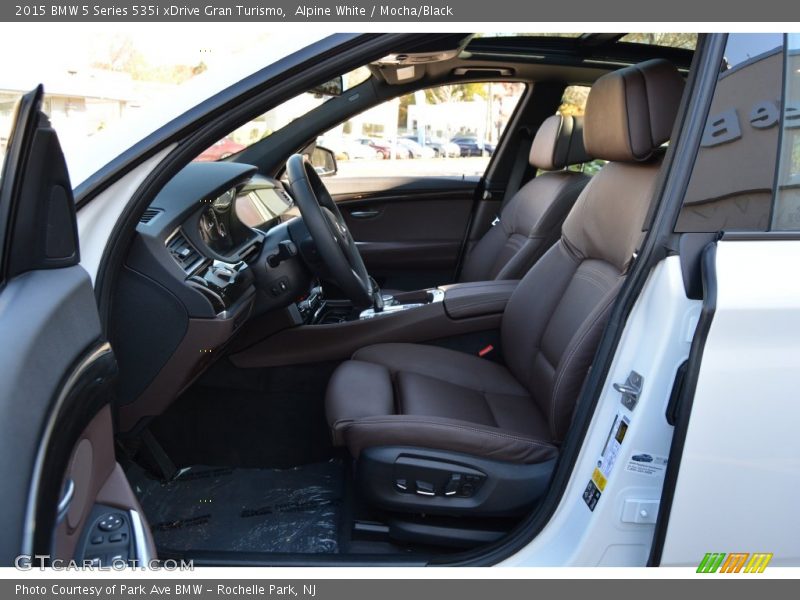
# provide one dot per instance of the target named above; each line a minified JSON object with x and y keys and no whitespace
{"x":377,"y":298}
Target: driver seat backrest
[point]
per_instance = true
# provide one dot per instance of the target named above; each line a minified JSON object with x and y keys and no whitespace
{"x":554,"y":319}
{"x":530,"y":221}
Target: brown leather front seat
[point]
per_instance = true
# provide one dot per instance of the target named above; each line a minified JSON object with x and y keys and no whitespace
{"x":427,"y":397}
{"x":529,"y":222}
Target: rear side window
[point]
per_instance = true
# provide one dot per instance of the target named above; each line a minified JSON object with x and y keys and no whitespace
{"x":733,"y":182}
{"x":573,"y":103}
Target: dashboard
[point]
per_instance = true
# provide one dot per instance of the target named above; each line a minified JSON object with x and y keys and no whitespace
{"x":204,"y":227}
{"x":210,"y":252}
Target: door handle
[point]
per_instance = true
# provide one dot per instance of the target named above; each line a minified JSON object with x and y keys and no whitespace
{"x":364,"y":214}
{"x":66,"y":499}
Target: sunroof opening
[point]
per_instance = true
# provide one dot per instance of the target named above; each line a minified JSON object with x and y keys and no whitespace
{"x":539,"y":34}
{"x":687,"y":41}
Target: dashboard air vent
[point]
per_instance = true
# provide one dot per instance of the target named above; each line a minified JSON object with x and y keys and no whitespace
{"x":183,"y":252}
{"x":148,"y":215}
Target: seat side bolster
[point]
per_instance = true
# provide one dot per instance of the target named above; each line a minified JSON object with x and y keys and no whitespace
{"x":356,"y":390}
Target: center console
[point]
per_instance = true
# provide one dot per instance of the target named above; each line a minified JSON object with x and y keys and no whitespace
{"x":316,"y":309}
{"x":331,"y":330}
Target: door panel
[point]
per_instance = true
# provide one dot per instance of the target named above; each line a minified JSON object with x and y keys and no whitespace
{"x":56,"y":370}
{"x":99,"y":488}
{"x":45,"y":313}
{"x":409,"y":230}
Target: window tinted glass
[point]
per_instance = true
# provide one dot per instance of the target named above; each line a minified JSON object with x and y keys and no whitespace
{"x":732,"y":181}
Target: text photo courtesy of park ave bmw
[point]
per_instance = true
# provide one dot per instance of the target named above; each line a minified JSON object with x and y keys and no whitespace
{"x":313,"y":300}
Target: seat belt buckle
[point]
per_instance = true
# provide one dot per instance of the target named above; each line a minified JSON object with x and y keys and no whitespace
{"x":484,"y":351}
{"x":496,"y":220}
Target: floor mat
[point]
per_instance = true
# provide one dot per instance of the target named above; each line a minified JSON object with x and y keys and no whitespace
{"x":247,"y":510}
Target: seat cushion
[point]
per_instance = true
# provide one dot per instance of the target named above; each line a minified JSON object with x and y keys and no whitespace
{"x":429,"y":397}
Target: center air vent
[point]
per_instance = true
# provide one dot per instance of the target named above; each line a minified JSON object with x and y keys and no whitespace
{"x":183,"y":252}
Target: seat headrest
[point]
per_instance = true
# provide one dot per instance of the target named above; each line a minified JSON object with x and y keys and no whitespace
{"x":558,"y":143}
{"x":630,"y":112}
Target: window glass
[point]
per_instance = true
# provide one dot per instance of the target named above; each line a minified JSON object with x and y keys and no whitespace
{"x":276,"y":118}
{"x":446,"y":130}
{"x":734,"y":171}
{"x":786,"y":213}
{"x":573,"y":103}
{"x":687,"y":41}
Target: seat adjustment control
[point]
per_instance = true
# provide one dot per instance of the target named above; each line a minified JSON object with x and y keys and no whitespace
{"x":453,"y":485}
{"x":425,"y":489}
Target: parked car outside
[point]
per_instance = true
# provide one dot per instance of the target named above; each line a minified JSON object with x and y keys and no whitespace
{"x":222,"y":149}
{"x":381,"y":147}
{"x":415,"y":149}
{"x":441,"y":147}
{"x":348,"y":148}
{"x":473,"y":146}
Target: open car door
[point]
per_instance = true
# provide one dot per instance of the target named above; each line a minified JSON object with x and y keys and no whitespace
{"x":64,"y":496}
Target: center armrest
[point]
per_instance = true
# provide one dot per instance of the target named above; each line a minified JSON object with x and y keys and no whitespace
{"x":463,"y":300}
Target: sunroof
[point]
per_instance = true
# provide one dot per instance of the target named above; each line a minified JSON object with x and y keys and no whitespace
{"x":505,"y":35}
{"x":687,"y":41}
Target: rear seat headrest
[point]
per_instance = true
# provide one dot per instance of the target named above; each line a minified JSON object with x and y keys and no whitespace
{"x":558,"y":143}
{"x":630,"y":112}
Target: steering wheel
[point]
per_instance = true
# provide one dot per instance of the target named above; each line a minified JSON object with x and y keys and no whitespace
{"x":329,"y":231}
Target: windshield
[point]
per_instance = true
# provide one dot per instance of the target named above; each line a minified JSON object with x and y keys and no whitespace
{"x":109,"y":85}
{"x":277,"y":118}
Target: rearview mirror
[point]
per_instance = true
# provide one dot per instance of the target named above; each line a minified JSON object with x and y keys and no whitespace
{"x":334,"y":87}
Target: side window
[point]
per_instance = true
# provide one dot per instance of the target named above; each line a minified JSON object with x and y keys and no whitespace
{"x":732,"y":182}
{"x":573,"y":103}
{"x":445,"y":130}
{"x":786,"y":213}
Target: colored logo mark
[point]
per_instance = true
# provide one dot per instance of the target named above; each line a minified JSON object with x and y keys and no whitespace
{"x":735,"y":562}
